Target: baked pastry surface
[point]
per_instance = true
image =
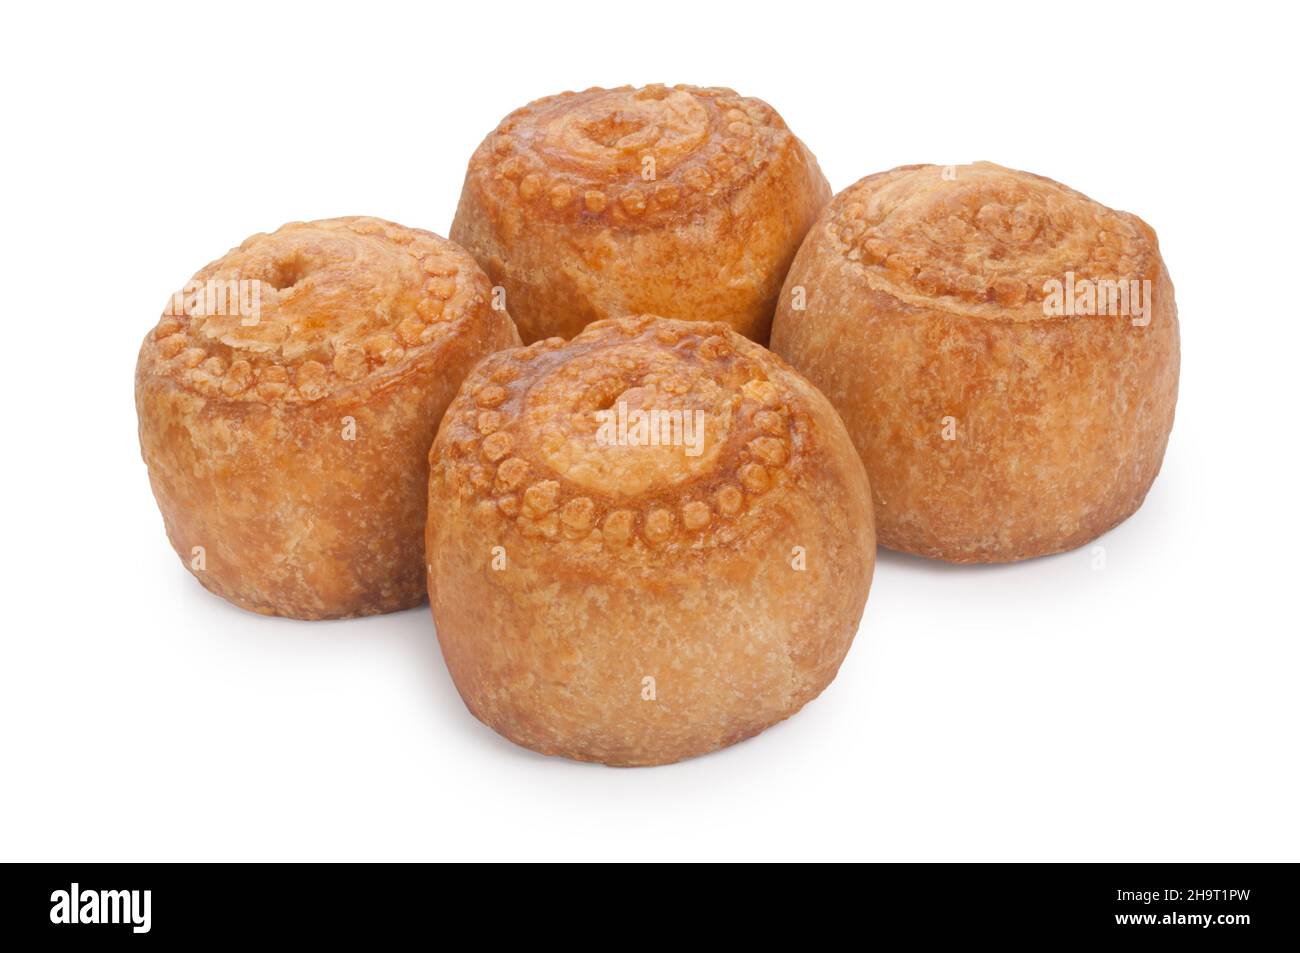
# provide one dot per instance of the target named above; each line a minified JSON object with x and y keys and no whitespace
{"x":572,"y":575}
{"x":992,"y":429}
{"x":287,"y":448}
{"x":685,"y":202}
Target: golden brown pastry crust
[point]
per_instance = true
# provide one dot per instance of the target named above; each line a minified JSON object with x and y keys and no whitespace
{"x":558,"y":210}
{"x":619,"y":563}
{"x":925,"y":318}
{"x":294,"y":450}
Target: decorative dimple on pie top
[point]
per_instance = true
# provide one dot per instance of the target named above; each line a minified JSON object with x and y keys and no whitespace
{"x":982,"y":238}
{"x":524,"y":437}
{"x":631,"y":157}
{"x":339,"y":302}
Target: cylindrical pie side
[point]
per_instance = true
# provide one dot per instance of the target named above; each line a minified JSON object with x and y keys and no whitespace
{"x":565,"y":572}
{"x":687,"y":202}
{"x":992,"y":428}
{"x":287,"y":449}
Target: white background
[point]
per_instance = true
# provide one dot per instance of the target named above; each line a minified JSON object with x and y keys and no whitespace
{"x":1045,"y":710}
